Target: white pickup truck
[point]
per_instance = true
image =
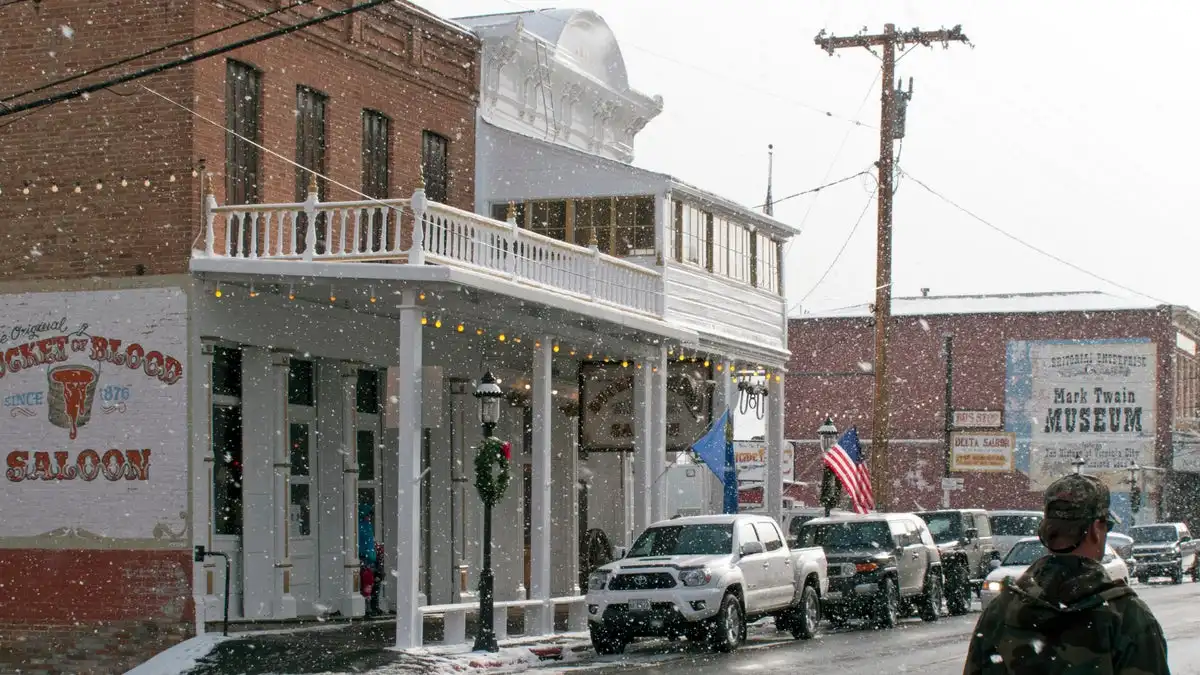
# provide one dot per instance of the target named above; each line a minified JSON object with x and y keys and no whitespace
{"x":704,"y":577}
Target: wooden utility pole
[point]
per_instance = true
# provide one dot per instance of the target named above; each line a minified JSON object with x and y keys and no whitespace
{"x":889,"y":131}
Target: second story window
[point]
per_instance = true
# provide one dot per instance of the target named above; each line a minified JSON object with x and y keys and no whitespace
{"x":243,"y":159}
{"x":434,"y":166}
{"x":693,"y":231}
{"x":310,"y":155}
{"x":740,"y":255}
{"x":767,"y":263}
{"x":376,"y":161}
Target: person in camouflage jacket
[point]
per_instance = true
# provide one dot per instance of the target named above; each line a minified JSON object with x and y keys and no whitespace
{"x":1065,"y":615}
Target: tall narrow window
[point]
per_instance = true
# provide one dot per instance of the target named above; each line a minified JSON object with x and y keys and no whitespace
{"x":434,"y":166}
{"x":767,"y":262}
{"x":243,"y":101}
{"x":310,"y":155}
{"x":376,"y":160}
{"x":227,"y":441}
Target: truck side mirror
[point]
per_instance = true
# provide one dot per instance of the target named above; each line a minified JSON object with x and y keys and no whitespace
{"x":619,"y":552}
{"x":972,"y":533}
{"x":752,"y":548}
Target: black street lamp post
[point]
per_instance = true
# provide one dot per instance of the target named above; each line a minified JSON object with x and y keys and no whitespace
{"x":1135,"y":493}
{"x":489,"y":395}
{"x":829,"y":486}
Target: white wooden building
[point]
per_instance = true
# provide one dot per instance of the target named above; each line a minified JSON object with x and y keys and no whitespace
{"x":614,"y":303}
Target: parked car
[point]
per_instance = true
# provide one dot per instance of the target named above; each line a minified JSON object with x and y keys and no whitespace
{"x":964,"y":539}
{"x":1009,"y":527}
{"x":878,"y":564}
{"x":794,"y":518}
{"x":1123,"y":545}
{"x":705,"y":577}
{"x":1165,"y":550}
{"x":1028,"y":551}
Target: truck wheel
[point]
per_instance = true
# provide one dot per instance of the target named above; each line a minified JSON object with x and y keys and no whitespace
{"x":931,"y":602}
{"x":606,"y":641}
{"x":1196,"y":570}
{"x":957,"y":591}
{"x":807,"y":615}
{"x":887,"y":610}
{"x":730,"y":625}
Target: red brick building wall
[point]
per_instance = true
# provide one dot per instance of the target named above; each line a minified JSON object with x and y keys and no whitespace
{"x":110,"y":186}
{"x":830,"y":375}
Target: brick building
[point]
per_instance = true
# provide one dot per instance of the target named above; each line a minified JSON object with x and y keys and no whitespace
{"x":102,"y":200}
{"x":1038,"y":363}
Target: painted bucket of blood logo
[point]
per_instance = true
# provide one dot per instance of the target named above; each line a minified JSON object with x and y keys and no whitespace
{"x":71,"y":393}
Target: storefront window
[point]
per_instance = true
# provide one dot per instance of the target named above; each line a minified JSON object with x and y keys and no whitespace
{"x":227,"y":372}
{"x":227,"y":469}
{"x":367,"y":392}
{"x":366,"y":455}
{"x":301,"y":383}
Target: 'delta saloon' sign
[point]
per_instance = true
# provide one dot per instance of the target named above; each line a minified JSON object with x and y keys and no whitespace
{"x":94,"y":405}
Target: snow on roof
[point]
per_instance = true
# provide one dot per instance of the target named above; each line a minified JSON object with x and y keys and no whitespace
{"x":1003,"y":303}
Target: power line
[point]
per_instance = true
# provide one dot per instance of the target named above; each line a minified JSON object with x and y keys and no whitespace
{"x":725,"y":76}
{"x":76,"y":93}
{"x":156,"y":50}
{"x":817,"y":189}
{"x":1026,"y":244}
{"x":836,"y":258}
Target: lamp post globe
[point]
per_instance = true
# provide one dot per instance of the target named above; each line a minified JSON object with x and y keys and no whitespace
{"x":489,"y":394}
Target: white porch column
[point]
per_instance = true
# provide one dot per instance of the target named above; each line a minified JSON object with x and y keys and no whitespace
{"x":204,"y":576}
{"x":643,"y":446}
{"x":285,"y":604}
{"x":564,"y":509}
{"x":658,"y":438}
{"x":352,"y":601}
{"x":773,"y":493}
{"x":407,"y":564}
{"x":724,"y":398}
{"x":540,"y":621}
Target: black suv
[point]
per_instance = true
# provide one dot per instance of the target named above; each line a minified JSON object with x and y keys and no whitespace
{"x":964,"y":538}
{"x":880,"y":566}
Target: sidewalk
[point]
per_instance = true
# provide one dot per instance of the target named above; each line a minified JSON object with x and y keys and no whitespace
{"x":364,"y":646}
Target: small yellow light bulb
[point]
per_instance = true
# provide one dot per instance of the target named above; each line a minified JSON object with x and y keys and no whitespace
{"x":372,"y":298}
{"x":217,"y":292}
{"x":460,"y":328}
{"x":421,"y":296}
{"x":502,"y":337}
{"x":424,"y":321}
{"x":624,"y":364}
{"x":479,"y":331}
{"x":555,"y":348}
{"x":437,"y":323}
{"x":332,"y":298}
{"x":706,"y":363}
{"x":538,"y":344}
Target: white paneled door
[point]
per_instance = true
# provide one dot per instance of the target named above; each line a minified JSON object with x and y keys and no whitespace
{"x":302,"y":526}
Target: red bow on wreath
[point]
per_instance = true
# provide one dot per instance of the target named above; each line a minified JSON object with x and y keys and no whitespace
{"x":506,"y":448}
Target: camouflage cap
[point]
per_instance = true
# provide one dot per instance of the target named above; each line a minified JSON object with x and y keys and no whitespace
{"x":1078,"y":496}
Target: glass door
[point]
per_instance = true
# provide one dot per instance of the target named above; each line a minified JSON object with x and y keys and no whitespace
{"x":367,"y":437}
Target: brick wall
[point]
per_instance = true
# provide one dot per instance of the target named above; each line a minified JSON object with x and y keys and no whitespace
{"x":917,"y":399}
{"x":91,"y":611}
{"x":419,"y":71}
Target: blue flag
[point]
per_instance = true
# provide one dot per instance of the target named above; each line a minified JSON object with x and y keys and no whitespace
{"x":712,"y":448}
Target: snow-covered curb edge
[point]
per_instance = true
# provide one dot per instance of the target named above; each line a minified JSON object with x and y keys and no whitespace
{"x":180,"y":658}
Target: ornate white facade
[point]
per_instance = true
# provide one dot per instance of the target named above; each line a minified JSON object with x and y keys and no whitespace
{"x":559,"y":75}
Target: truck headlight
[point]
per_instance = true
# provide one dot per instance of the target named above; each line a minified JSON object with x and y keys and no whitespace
{"x":995,"y":586}
{"x":699,"y":577}
{"x":597,"y":581}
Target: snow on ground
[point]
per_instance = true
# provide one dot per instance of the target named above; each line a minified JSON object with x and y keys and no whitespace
{"x":180,"y":658}
{"x":515,"y":655}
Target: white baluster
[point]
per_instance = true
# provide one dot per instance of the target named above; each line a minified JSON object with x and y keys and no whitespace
{"x":416,"y":252}
{"x":210,"y":203}
{"x":253,"y":233}
{"x":267,"y":217}
{"x":228,"y":231}
{"x":310,"y":210}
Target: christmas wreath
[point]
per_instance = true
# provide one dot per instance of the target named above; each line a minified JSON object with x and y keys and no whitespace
{"x":492,"y":473}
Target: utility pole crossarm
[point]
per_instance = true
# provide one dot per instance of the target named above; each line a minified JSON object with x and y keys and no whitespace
{"x":912,"y":37}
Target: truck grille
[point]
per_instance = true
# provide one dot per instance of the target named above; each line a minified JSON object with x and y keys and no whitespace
{"x":650,"y":581}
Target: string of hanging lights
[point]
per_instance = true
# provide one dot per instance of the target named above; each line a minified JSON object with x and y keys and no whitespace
{"x":751,"y":380}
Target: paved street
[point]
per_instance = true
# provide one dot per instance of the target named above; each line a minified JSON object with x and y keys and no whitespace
{"x":915,"y":647}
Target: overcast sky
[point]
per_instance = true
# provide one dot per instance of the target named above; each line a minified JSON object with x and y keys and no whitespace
{"x":1067,"y":125}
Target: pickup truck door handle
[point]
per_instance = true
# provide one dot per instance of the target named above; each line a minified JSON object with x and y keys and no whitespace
{"x":916,"y":555}
{"x":766,"y":565}
{"x":787,"y":563}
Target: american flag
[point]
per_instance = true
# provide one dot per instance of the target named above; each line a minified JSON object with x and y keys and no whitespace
{"x":845,"y":460}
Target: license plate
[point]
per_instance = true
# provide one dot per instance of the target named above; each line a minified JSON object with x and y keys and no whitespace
{"x":833,"y":595}
{"x":639,"y":605}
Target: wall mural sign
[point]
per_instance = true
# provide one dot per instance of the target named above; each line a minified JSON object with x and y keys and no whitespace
{"x":1091,"y":398}
{"x":606,"y":411}
{"x":94,"y":405}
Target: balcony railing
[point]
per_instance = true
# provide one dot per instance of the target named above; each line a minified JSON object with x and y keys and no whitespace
{"x":417,"y":232}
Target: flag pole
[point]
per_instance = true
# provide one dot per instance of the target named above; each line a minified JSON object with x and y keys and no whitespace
{"x":730,"y":482}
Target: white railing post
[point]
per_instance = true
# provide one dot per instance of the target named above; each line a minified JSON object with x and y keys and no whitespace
{"x":210,"y":203}
{"x":594,"y":272}
{"x":310,"y":212}
{"x":416,"y":251}
{"x":513,"y":235}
